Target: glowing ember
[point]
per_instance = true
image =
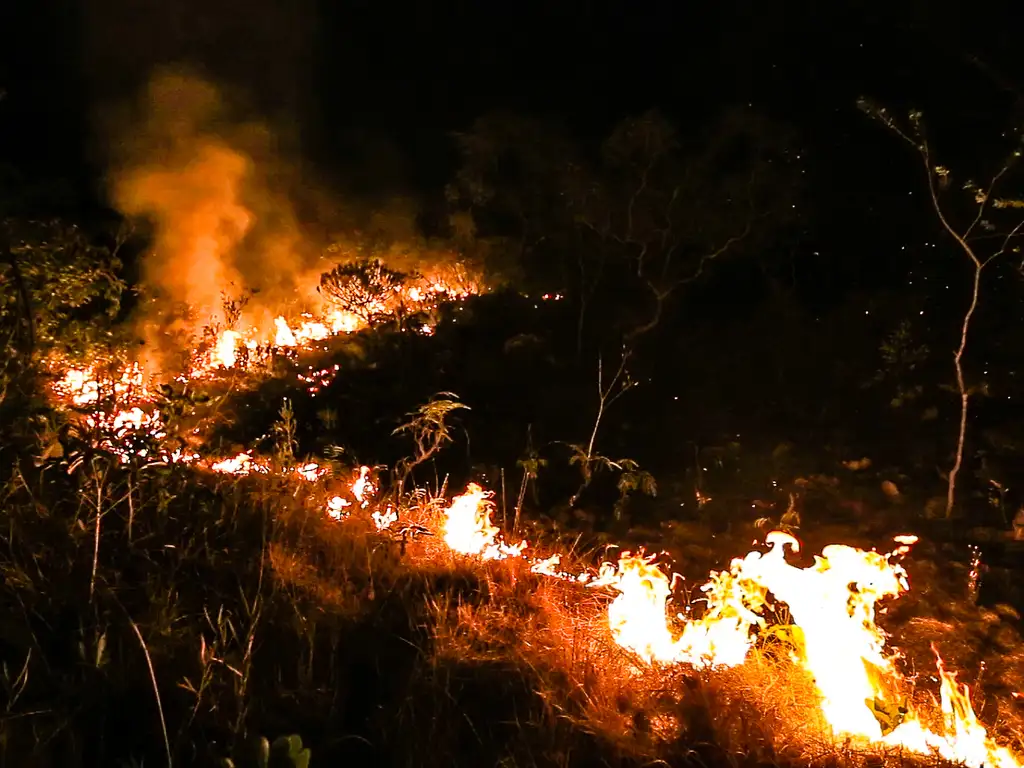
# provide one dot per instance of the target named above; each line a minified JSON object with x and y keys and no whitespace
{"x":468,"y":529}
{"x":317,"y":380}
{"x":242,"y":464}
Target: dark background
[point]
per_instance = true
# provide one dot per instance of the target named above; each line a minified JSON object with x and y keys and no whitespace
{"x":371,"y":92}
{"x":374,"y":88}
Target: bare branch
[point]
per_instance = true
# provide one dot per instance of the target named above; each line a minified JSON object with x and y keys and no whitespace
{"x":979,"y":263}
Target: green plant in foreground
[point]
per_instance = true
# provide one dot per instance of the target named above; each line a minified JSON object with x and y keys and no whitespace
{"x":285,"y":752}
{"x":587,"y":457}
{"x":430,"y":431}
{"x":531,"y":463}
{"x":284,"y":430}
{"x":632,"y":479}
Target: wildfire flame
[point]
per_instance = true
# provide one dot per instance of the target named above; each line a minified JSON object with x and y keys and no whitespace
{"x":385,"y":519}
{"x":242,"y":464}
{"x":336,"y":507}
{"x":363,"y":487}
{"x":832,"y":603}
{"x":468,"y":529}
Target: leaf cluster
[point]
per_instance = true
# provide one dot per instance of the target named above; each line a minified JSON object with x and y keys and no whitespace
{"x":73,"y":287}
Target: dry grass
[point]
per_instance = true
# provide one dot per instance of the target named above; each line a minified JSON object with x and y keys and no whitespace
{"x":353,"y":639}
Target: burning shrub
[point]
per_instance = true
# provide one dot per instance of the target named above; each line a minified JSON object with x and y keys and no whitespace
{"x":366,"y":288}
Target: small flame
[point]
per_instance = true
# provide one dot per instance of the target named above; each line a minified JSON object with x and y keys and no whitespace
{"x":336,"y":507}
{"x":225,"y":352}
{"x":283,"y":336}
{"x":242,"y":464}
{"x":637,"y":615}
{"x":384,"y":520}
{"x":363,"y":488}
{"x":311,"y":472}
{"x":468,"y":529}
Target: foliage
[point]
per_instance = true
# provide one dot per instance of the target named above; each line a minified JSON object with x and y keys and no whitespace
{"x":285,"y":752}
{"x":789,"y":638}
{"x":365,"y":288}
{"x":587,"y":457}
{"x":65,"y":290}
{"x":284,"y":431}
{"x":531,"y":463}
{"x":506,"y":199}
{"x":430,"y":431}
{"x":631,"y":480}
{"x":661,"y":211}
{"x":902,"y":356}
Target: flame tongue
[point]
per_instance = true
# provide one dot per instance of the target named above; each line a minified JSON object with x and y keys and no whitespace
{"x":833,"y":602}
{"x":637,"y":616}
{"x":468,"y":529}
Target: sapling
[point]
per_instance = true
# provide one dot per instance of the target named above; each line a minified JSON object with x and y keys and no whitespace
{"x":531,"y":463}
{"x":284,"y":429}
{"x":632,"y":479}
{"x":586,"y":457}
{"x":980,"y":241}
{"x":430,"y":432}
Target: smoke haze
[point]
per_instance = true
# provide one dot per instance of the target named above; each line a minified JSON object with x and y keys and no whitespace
{"x":223,"y":207}
{"x":217,"y":197}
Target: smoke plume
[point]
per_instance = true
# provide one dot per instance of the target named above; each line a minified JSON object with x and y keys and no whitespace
{"x":216,"y":195}
{"x":224,"y":206}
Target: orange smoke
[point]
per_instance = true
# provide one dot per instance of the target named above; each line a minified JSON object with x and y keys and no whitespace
{"x":221,"y":204}
{"x":221,"y":228}
{"x":199,"y":220}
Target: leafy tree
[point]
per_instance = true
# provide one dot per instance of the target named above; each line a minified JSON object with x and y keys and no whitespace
{"x":507,"y":197}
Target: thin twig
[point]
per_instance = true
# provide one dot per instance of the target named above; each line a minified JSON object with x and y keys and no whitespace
{"x":156,"y":692}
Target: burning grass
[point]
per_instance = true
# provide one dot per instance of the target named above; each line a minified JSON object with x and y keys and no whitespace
{"x":261,"y":613}
{"x":272,"y":593}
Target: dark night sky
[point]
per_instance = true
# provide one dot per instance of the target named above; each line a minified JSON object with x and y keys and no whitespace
{"x":413,"y":71}
{"x":409,"y":73}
